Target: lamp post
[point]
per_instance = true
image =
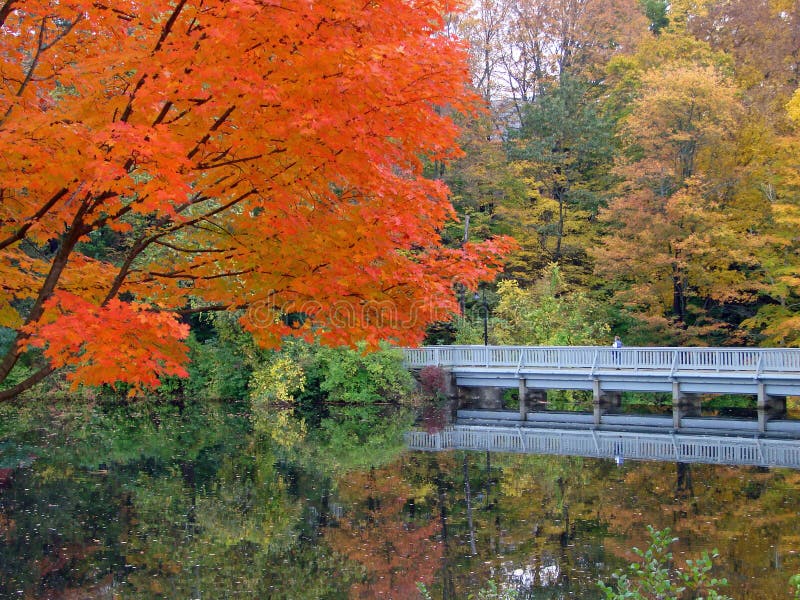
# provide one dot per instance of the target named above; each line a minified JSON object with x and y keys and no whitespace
{"x":482,"y":297}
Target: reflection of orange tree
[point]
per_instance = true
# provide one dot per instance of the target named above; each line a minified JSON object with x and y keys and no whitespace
{"x":395,"y":549}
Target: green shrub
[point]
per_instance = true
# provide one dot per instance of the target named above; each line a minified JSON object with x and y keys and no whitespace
{"x":354,"y":376}
{"x":656,"y":578}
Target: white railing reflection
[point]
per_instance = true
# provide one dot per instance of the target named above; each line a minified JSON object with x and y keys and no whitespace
{"x":768,"y":360}
{"x":616,"y":445}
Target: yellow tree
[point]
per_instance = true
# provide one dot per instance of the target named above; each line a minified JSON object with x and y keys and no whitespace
{"x":777,"y":181}
{"x":670,"y":234}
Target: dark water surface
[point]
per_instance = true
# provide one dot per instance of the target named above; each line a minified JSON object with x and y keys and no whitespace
{"x":157,"y":501}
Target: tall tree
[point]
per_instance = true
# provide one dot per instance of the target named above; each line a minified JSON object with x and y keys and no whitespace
{"x":763,"y":37}
{"x":775,"y":181}
{"x":483,"y":27}
{"x":670,"y":236}
{"x":547,"y":72}
{"x":246,"y":154}
{"x":520,"y":46}
{"x":565,"y":148}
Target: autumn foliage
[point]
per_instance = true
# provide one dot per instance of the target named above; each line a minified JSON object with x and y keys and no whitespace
{"x":251,"y":154}
{"x":649,"y":149}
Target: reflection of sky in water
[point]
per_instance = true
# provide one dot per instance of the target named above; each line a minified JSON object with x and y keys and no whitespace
{"x":544,"y":574}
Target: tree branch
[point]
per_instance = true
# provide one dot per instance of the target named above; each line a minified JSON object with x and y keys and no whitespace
{"x":153,"y":275}
{"x":31,"y":220}
{"x":233,"y":161}
{"x":5,"y":10}
{"x":164,"y":112}
{"x":217,"y":124}
{"x":191,"y":250}
{"x":144,"y":242}
{"x":169,"y":25}
{"x":41,"y":48}
{"x":26,"y":384}
{"x":76,"y":231}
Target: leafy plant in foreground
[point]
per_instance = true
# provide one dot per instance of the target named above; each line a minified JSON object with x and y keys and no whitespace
{"x":655,"y":577}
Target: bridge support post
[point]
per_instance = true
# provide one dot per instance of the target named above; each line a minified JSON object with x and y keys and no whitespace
{"x":523,"y":399}
{"x":683,"y":405}
{"x":450,"y":388}
{"x":603,"y":400}
{"x":769,"y":407}
{"x":677,"y":396}
{"x":596,"y":395}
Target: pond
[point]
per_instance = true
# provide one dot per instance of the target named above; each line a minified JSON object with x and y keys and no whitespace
{"x":153,"y":500}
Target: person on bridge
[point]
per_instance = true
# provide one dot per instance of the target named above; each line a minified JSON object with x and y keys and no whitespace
{"x":617,"y":343}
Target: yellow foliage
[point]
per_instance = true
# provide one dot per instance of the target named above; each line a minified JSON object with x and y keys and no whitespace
{"x":793,"y":107}
{"x":9,"y":317}
{"x":277,"y":381}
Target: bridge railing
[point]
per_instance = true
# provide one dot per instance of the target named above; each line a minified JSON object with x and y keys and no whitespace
{"x":784,"y":360}
{"x":600,"y":444}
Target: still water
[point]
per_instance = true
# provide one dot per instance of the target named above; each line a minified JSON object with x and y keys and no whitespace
{"x":203,"y":501}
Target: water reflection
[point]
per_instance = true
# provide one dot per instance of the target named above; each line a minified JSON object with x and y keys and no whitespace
{"x":160,"y":502}
{"x":732,"y":449}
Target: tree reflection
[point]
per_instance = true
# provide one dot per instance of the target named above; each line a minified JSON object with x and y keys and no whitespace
{"x":394,"y":549}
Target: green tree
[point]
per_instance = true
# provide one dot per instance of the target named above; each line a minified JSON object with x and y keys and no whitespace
{"x":657,"y":12}
{"x":565,"y":149}
{"x":545,"y":314}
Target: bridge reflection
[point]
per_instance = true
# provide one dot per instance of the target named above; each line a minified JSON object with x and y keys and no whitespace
{"x":732,"y":446}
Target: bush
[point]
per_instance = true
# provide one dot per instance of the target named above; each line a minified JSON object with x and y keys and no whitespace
{"x":354,"y":376}
{"x":656,"y":578}
{"x":432,"y":380}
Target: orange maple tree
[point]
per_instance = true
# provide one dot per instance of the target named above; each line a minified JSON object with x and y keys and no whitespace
{"x":264,"y":155}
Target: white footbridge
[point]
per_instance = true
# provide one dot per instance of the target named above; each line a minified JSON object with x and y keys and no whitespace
{"x":771,"y":371}
{"x":769,"y":374}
